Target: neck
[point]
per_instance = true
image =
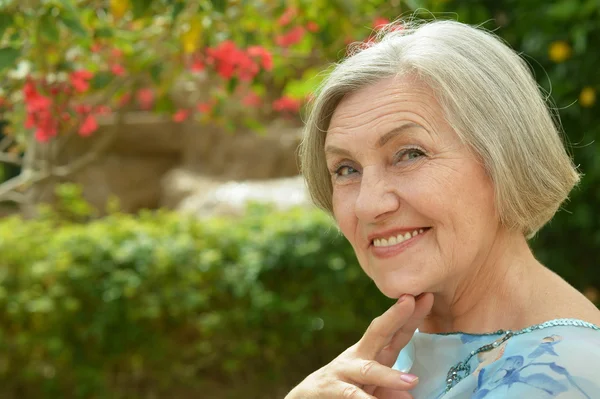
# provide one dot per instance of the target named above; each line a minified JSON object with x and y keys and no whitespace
{"x":490,"y":298}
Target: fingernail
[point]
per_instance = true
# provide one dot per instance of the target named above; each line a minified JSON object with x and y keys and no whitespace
{"x":409,"y":378}
{"x":402,"y":298}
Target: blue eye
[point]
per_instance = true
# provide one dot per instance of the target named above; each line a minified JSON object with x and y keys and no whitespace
{"x":410,"y":154}
{"x":345,"y":170}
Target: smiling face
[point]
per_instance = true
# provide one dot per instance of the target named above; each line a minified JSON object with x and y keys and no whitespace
{"x":414,"y":202}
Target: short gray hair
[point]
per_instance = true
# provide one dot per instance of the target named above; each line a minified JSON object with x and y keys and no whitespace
{"x":488,"y":96}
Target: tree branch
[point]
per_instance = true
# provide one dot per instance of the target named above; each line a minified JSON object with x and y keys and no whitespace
{"x":10,"y":158}
{"x":6,"y":142}
{"x":31,"y":176}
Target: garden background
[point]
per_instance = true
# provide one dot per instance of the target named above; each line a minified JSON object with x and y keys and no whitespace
{"x":117,"y":114}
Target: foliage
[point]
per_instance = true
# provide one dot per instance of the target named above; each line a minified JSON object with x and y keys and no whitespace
{"x":68,"y":65}
{"x":71,"y":60}
{"x":161,"y":303}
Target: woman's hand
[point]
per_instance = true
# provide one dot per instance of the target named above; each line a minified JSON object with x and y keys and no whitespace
{"x":364,"y":371}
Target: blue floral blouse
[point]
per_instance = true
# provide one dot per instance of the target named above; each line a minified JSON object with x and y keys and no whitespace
{"x":556,"y":359}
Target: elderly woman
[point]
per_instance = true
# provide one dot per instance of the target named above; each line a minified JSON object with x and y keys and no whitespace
{"x":435,"y":152}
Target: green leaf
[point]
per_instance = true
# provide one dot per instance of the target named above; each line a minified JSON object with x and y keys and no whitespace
{"x":101,"y":80}
{"x":140,"y":7}
{"x":177,"y":8}
{"x":231,"y":85}
{"x":306,"y":85}
{"x":6,"y":20}
{"x":69,"y":6}
{"x":254,"y":125}
{"x":219,"y":5}
{"x":579,"y":35}
{"x":48,"y":28}
{"x":155,"y":73}
{"x":563,"y":10}
{"x":164,"y":104}
{"x":73,"y":24}
{"x":104,"y":32}
{"x":8,"y":57}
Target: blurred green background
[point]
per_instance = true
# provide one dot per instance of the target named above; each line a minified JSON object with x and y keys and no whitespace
{"x":109,"y":290}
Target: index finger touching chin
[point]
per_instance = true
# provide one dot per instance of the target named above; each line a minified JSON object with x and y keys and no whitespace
{"x":383,"y":328}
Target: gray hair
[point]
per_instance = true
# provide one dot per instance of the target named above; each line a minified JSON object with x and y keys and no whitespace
{"x":488,"y":96}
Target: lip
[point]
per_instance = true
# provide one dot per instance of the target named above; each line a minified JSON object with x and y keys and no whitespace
{"x":388,"y":252}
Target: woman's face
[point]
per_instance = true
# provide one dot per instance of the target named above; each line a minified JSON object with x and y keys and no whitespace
{"x":413,"y":201}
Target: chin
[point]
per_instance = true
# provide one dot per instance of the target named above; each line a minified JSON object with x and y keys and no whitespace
{"x":394,"y":289}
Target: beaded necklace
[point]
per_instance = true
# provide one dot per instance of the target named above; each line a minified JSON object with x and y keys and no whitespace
{"x":463,"y":369}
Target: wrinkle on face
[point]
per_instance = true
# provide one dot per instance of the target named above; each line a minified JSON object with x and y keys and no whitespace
{"x":446,"y":189}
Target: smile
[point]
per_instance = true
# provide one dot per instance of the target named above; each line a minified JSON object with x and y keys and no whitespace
{"x":397,"y":238}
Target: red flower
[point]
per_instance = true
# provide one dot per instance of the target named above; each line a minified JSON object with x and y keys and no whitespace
{"x":117,"y":69}
{"x":34,"y":100}
{"x":96,"y":47}
{"x":251,"y":100}
{"x":88,"y":126}
{"x":145,"y":98}
{"x":380,"y":22}
{"x":265,"y":56}
{"x":247,"y":69}
{"x":82,"y":109}
{"x":312,"y":26}
{"x":204,"y":107}
{"x":42,"y":135}
{"x":286,"y":103}
{"x":116,"y":53}
{"x":29,"y":121}
{"x":230,"y":61}
{"x":103,"y":110}
{"x":181,"y":115}
{"x":287,"y":16}
{"x":80,"y":80}
{"x":290,"y":38}
{"x":225,"y":56}
{"x":46,"y":127}
{"x":197,"y":66}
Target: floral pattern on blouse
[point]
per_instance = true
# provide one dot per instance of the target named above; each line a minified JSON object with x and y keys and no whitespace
{"x":546,"y":376}
{"x":557,"y":361}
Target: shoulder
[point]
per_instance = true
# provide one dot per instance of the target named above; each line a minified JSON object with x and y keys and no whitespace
{"x":557,"y":362}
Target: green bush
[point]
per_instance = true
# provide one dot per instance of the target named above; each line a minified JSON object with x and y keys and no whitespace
{"x":165,"y":305}
{"x":134,"y":306}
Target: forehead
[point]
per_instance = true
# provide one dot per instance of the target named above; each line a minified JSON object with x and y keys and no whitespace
{"x":390,"y":100}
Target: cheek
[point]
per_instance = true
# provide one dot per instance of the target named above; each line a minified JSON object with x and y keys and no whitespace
{"x":343,"y":211}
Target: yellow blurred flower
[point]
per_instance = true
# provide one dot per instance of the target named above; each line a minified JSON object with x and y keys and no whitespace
{"x":587,"y":97}
{"x":559,"y":51}
{"x":118,"y":8}
{"x":190,"y":39}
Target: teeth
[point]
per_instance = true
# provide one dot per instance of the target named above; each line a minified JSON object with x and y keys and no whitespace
{"x":393,"y":240}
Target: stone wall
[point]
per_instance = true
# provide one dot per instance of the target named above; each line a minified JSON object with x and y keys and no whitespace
{"x":136,"y":166}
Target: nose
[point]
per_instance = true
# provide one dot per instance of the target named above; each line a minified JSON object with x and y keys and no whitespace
{"x":376,"y":197}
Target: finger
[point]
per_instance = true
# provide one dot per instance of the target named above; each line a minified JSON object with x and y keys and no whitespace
{"x":348,"y":391}
{"x":389,"y":354}
{"x":383,"y":328}
{"x":369,"y":372}
{"x":406,"y":332}
{"x":385,"y":393}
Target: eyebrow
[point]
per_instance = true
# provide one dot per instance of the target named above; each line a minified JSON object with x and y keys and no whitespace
{"x":382,"y":140}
